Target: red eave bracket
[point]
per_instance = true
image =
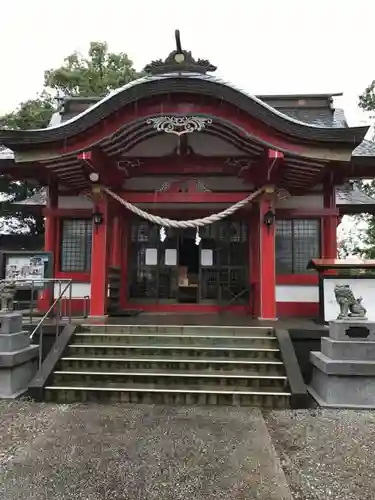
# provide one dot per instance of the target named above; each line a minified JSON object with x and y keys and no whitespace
{"x":268,"y":169}
{"x":102,"y":164}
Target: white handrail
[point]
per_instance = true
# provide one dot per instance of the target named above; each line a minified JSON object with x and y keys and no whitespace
{"x":52,"y":306}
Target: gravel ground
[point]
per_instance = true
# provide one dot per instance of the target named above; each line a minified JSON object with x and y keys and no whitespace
{"x":96,"y":452}
{"x":136,"y":452}
{"x":21,"y":422}
{"x":326,"y":454}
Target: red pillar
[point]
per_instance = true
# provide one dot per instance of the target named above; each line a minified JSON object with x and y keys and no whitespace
{"x":329,"y":249}
{"x":254,"y":253}
{"x":99,"y":263}
{"x":50,"y":240}
{"x":50,"y":220}
{"x":267,"y":271}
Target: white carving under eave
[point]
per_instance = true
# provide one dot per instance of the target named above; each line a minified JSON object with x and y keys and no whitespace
{"x":179,"y":125}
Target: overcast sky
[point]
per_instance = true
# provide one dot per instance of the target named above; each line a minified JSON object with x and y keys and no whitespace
{"x":263,"y":46}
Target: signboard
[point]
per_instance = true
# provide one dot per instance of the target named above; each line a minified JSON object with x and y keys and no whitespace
{"x":361,"y":287}
{"x":27,"y":266}
{"x":24,"y":267}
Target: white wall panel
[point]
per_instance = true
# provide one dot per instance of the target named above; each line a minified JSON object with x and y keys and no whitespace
{"x":75,"y":202}
{"x":79,"y":290}
{"x":303,"y":202}
{"x":297,"y":293}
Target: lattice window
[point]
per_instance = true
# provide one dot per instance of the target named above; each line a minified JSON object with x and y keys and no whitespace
{"x":297,"y":241}
{"x":76,"y":242}
{"x":144,"y":232}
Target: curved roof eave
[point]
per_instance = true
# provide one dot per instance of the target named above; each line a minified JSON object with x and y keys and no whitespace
{"x":178,"y":83}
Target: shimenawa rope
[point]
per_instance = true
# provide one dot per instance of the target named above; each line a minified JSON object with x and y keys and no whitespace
{"x":164,"y":222}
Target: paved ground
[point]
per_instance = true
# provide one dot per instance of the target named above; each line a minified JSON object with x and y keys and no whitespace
{"x":326,"y":454}
{"x":136,"y":452}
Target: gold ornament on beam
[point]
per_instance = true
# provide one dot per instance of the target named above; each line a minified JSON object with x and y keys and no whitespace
{"x":179,"y":125}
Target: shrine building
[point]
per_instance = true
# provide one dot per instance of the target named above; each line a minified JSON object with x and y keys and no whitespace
{"x":193,"y":194}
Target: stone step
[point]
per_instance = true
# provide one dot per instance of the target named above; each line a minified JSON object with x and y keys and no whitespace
{"x":170,"y":379}
{"x":172,"y":364}
{"x":175,"y":339}
{"x":174,"y":350}
{"x":267,"y":397}
{"x":180,"y":329}
{"x":181,"y":364}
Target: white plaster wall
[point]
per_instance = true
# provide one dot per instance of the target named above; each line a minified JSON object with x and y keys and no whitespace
{"x":79,"y":290}
{"x":304,"y":202}
{"x":79,"y":202}
{"x":284,"y":293}
{"x":297,"y":293}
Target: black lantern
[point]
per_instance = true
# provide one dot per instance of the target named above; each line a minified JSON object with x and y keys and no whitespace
{"x":97,"y":218}
{"x":268,"y":219}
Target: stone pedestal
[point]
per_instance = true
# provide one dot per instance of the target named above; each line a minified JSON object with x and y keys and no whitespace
{"x":18,"y":359}
{"x":344,"y":369}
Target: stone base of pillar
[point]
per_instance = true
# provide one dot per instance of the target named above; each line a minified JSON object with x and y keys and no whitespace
{"x":18,"y":359}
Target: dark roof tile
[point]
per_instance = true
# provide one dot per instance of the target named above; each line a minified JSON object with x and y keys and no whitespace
{"x":352,"y":196}
{"x":6,"y":153}
{"x":366,"y":148}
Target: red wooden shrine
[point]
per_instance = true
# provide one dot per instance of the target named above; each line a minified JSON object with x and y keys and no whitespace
{"x":182,"y":144}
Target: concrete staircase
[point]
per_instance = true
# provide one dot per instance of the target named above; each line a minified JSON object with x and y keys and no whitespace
{"x":222,"y":365}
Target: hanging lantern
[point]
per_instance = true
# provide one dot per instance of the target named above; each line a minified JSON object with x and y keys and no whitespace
{"x":163,"y":234}
{"x":198,"y":239}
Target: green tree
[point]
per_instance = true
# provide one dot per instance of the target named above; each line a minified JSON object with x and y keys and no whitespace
{"x":31,"y":114}
{"x":93,"y":75}
{"x":367,"y":99}
{"x":365,"y":244}
{"x":362,"y":242}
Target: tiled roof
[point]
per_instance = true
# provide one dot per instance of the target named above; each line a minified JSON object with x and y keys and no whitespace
{"x":6,"y":153}
{"x":352,"y":196}
{"x":39,"y":198}
{"x":319,"y":116}
{"x":366,"y":148}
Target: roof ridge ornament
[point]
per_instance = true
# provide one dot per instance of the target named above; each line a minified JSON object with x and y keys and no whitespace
{"x":180,"y":61}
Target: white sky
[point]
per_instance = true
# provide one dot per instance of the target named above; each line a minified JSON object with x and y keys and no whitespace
{"x":262,"y":46}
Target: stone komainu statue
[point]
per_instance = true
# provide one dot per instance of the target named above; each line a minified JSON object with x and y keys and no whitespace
{"x":7,"y":293}
{"x":350,"y":307}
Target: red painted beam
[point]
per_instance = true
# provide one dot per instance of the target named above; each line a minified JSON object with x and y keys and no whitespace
{"x":72,"y":213}
{"x":287,"y":213}
{"x":175,"y":166}
{"x":206,"y":197}
{"x":228,"y":197}
{"x":97,"y":161}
